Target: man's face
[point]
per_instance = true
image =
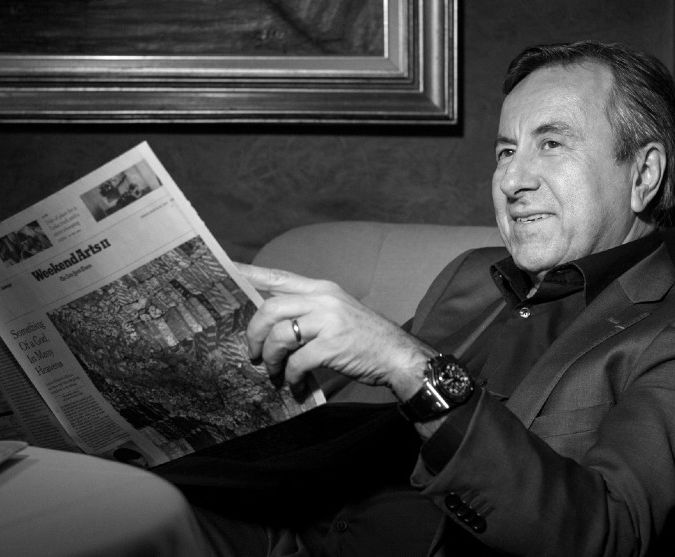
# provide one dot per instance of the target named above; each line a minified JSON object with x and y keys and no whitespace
{"x":558,"y":192}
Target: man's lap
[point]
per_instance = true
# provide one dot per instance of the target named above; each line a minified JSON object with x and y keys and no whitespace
{"x":317,"y":460}
{"x":393,"y":522}
{"x":334,"y":480}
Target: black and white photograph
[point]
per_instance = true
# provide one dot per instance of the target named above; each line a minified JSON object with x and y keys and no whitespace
{"x":455,"y":223}
{"x":24,"y":243}
{"x":165,"y":345}
{"x":120,"y":191}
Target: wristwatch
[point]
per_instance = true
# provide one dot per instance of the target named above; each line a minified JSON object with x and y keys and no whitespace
{"x":446,"y":386}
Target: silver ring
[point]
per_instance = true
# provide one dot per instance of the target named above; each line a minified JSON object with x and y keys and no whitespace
{"x":296,"y":331}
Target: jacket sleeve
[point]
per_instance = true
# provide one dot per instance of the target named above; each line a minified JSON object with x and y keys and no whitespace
{"x":524,"y":493}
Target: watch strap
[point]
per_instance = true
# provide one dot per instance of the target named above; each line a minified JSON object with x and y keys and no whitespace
{"x":426,"y":404}
{"x":432,"y":401}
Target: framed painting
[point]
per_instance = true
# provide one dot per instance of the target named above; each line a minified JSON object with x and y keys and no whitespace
{"x":299,"y":61}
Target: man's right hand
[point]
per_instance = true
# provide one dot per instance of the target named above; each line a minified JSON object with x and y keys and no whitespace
{"x":337,"y":332}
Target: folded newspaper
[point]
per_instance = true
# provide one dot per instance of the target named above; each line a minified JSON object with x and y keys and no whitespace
{"x":123,"y":323}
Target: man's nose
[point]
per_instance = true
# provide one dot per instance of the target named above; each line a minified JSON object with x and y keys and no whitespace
{"x":519,"y":176}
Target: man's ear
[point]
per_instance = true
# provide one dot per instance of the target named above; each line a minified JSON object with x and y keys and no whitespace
{"x":650,"y":167}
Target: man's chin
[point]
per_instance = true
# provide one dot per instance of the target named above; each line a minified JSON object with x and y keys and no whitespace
{"x":534,"y":263}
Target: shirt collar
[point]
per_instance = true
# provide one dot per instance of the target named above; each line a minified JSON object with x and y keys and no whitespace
{"x":592,"y":273}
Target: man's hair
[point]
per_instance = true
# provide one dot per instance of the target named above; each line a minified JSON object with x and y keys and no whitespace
{"x":640,"y":107}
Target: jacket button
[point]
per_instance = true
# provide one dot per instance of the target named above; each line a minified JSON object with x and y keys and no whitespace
{"x":465,"y":513}
{"x":341,"y":525}
{"x":524,"y":312}
{"x":452,"y":501}
{"x":478,"y":524}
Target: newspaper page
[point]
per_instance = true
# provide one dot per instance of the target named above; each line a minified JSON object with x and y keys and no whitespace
{"x":24,"y":415}
{"x":129,"y":318}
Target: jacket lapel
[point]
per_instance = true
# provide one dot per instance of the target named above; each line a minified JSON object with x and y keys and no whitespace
{"x":457,"y":343}
{"x":626,"y":301}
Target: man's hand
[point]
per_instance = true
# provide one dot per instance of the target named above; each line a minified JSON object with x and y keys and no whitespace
{"x":336,"y":331}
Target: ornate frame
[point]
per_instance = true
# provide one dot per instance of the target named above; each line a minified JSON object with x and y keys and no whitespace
{"x":415,"y":82}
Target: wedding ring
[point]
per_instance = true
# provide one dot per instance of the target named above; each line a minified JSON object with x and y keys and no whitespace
{"x":296,"y":331}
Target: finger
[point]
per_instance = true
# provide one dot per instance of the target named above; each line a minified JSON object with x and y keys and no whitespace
{"x":278,"y":281}
{"x":277,"y":346}
{"x":272,"y":312}
{"x":299,"y":363}
{"x":299,"y":366}
{"x":284,"y":341}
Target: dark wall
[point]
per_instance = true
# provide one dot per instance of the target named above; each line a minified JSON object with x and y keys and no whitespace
{"x":251,"y":183}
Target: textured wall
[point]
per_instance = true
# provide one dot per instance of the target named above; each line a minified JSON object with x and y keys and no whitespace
{"x":252,"y":183}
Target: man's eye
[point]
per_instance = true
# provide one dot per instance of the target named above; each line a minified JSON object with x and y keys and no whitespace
{"x":503,"y":153}
{"x":550,"y":144}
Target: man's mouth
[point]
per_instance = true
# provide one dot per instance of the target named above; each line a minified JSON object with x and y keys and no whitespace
{"x":531,"y":218}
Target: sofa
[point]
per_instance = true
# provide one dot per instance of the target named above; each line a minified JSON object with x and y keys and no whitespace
{"x":386,"y":266}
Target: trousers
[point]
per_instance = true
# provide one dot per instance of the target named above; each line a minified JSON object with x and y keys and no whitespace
{"x":332,"y":481}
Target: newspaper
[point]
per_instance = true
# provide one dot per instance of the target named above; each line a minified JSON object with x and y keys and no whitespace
{"x":124,"y":323}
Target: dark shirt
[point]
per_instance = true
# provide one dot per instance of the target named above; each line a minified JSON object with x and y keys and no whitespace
{"x":528,"y":325}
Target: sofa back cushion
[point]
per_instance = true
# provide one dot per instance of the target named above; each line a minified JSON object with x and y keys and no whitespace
{"x":388,"y":266}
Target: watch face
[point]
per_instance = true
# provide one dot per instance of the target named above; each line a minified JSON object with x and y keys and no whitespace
{"x":454,"y":381}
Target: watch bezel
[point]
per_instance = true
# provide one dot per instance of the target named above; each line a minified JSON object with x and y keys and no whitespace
{"x":450,"y":379}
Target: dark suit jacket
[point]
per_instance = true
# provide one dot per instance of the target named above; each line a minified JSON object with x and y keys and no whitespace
{"x":579,"y":460}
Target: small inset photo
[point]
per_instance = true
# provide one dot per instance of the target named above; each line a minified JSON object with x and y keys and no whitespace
{"x":121,"y":190}
{"x":23,"y":243}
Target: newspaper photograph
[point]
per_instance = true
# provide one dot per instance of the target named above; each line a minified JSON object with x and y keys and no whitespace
{"x":129,"y":320}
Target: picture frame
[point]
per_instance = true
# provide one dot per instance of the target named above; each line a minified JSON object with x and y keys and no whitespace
{"x":415,"y":81}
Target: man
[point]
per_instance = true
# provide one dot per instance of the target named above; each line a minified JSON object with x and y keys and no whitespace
{"x":548,"y":427}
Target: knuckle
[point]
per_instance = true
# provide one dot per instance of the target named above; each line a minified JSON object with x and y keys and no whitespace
{"x":329,"y":301}
{"x":278,"y":275}
{"x":293,"y":374}
{"x":297,"y":365}
{"x":271,"y":307}
{"x":276,"y":334}
{"x":290,"y":372}
{"x":328,"y":286}
{"x":272,"y":358}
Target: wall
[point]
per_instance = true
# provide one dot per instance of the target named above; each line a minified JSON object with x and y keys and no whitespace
{"x":252,"y":183}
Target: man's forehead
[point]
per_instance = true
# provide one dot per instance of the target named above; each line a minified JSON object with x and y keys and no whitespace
{"x":572,"y":76}
{"x":558,"y":98}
